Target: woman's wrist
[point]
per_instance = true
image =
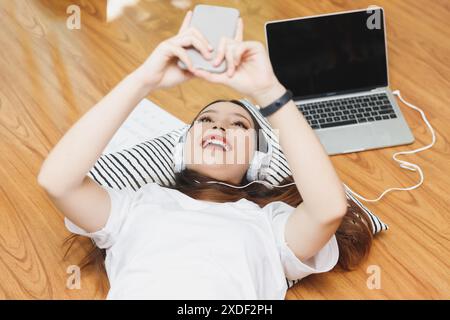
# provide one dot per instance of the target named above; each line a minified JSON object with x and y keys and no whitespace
{"x":141,"y":77}
{"x":269,"y":95}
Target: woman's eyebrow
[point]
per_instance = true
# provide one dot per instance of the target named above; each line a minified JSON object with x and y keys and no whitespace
{"x":234,"y":113}
{"x":244,"y":117}
{"x":206,"y":112}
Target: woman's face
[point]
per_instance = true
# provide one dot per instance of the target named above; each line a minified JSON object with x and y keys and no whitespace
{"x":221,"y":142}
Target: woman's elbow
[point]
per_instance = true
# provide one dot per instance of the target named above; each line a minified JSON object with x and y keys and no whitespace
{"x":341,"y":211}
{"x":45,"y":182}
{"x":339,"y":207}
{"x":335,"y":214}
{"x":49,"y":183}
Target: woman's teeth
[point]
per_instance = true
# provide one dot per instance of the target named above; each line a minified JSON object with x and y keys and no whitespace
{"x":215,"y":142}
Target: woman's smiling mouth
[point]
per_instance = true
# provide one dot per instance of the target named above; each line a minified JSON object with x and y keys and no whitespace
{"x":217,"y":142}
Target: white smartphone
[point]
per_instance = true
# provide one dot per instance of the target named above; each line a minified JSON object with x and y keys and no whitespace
{"x":213,"y":22}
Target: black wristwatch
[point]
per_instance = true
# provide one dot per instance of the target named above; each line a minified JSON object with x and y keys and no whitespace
{"x":277,"y":104}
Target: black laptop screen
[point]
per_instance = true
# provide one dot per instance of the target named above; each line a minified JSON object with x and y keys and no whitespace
{"x":330,"y":54}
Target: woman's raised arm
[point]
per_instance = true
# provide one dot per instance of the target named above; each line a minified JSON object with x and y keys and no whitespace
{"x":314,"y":221}
{"x":63,"y":173}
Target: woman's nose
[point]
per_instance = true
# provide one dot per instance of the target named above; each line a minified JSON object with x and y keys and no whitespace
{"x":221,"y":128}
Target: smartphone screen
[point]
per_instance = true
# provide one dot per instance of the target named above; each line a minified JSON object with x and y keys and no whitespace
{"x":213,"y":22}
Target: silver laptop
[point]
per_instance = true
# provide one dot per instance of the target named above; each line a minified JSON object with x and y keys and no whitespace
{"x":337,"y":68}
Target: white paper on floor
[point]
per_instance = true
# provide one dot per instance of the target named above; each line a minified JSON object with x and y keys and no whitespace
{"x":147,"y":121}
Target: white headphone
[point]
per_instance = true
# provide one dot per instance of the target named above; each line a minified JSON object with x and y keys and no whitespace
{"x":178,"y":152}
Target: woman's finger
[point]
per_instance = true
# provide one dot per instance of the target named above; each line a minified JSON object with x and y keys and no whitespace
{"x":239,"y":30}
{"x":181,"y":54}
{"x":220,"y":52}
{"x":202,"y":38}
{"x":238,"y":53}
{"x":229,"y":55}
{"x":186,"y":22}
{"x":192,"y":40}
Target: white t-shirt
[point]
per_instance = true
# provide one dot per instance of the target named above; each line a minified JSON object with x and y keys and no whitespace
{"x":163,"y":244}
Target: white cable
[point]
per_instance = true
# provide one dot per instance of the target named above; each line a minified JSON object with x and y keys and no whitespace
{"x":255,"y":181}
{"x":405,"y":164}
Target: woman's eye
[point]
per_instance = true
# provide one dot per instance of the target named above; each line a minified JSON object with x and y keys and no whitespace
{"x":240,"y":124}
{"x":204,"y":119}
{"x":237,"y":123}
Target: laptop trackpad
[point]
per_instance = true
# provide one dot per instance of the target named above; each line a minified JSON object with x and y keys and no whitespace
{"x":354,"y":138}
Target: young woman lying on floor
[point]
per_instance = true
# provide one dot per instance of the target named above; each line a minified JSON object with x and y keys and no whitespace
{"x":200,"y":240}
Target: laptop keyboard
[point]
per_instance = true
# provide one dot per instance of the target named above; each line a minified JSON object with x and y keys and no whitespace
{"x":348,"y":111}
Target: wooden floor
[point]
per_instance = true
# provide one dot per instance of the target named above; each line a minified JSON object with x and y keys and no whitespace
{"x":50,"y":75}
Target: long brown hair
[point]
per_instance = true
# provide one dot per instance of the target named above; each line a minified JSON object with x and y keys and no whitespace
{"x":353,"y":236}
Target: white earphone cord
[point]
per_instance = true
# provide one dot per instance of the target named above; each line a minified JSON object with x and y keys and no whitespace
{"x":403,"y":164}
{"x":255,"y":181}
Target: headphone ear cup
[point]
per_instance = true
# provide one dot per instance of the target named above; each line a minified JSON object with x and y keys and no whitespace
{"x":178,"y":151}
{"x":264,"y":166}
{"x":178,"y":157}
{"x":253,"y":171}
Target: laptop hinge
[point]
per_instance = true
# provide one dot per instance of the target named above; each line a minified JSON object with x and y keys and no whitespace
{"x":381,"y":89}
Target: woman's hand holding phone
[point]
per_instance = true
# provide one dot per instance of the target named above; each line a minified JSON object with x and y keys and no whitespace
{"x":249,"y":70}
{"x":160,"y":70}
